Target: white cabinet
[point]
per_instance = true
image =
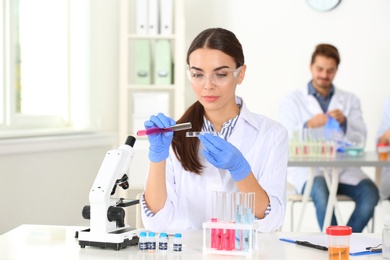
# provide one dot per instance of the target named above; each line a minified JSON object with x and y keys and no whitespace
{"x":145,"y":87}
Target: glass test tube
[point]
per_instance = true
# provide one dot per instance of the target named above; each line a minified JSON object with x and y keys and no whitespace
{"x":214,"y":218}
{"x":239,"y":204}
{"x":218,"y":215}
{"x":229,"y":235}
{"x":249,"y":217}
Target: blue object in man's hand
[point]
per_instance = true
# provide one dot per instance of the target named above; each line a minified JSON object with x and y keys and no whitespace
{"x":159,"y":143}
{"x":224,"y":155}
{"x":334,"y":132}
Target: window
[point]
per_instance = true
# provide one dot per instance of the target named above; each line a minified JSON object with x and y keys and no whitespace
{"x":43,"y":67}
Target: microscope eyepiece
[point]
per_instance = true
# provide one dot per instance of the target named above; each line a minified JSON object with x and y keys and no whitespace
{"x":130,"y":141}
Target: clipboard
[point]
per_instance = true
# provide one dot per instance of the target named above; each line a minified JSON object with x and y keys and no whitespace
{"x":358,"y":243}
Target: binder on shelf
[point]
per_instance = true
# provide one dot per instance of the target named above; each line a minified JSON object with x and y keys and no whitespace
{"x":153,"y":16}
{"x":142,"y":17}
{"x":163,"y":63}
{"x":166,"y":17}
{"x":142,"y":62}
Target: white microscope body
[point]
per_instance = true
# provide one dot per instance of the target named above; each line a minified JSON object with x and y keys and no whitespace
{"x":107,"y":228}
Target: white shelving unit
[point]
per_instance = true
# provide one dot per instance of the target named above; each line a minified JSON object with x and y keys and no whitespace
{"x":128,"y":88}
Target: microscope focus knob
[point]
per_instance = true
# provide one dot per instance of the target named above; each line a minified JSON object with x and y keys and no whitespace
{"x":116,"y":214}
{"x":86,"y":212}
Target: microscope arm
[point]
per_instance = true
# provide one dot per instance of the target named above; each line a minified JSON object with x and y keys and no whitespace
{"x":115,"y":165}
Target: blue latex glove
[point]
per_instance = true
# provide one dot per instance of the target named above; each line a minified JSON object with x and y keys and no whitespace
{"x":224,"y":155}
{"x":332,"y":124}
{"x":159,"y":143}
{"x":334,"y":132}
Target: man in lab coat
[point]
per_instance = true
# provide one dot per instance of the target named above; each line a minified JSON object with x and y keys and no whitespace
{"x":383,"y":136}
{"x":312,"y":107}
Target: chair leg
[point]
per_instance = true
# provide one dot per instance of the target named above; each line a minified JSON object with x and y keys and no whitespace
{"x":373,"y":222}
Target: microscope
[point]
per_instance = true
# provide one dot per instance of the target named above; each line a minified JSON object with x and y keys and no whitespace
{"x":106,"y":214}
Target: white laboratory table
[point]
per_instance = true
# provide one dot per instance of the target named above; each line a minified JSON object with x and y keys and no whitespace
{"x":59,"y":242}
{"x":331,"y":166}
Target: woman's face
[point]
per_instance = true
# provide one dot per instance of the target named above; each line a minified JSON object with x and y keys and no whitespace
{"x":214,"y":77}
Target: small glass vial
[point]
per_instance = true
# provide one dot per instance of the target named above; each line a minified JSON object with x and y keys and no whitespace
{"x":143,"y":242}
{"x":177,"y":243}
{"x":151,"y":242}
{"x":386,"y":238}
{"x":163,"y":243}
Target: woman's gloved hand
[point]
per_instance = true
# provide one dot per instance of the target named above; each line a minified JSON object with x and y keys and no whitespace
{"x":224,"y":155}
{"x":159,"y":143}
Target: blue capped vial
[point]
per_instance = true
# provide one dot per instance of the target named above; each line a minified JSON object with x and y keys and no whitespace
{"x":143,"y":242}
{"x":163,"y":242}
{"x":177,"y":243}
{"x":151,"y":241}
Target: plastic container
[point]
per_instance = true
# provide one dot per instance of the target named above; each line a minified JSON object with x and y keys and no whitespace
{"x":163,"y":243}
{"x":152,"y":242}
{"x":386,"y":238}
{"x":177,"y":243}
{"x":383,"y":151}
{"x":338,"y":242}
{"x":354,"y":144}
{"x":143,"y":242}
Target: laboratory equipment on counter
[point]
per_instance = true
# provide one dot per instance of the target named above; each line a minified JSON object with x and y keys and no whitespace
{"x":163,"y":242}
{"x":157,"y":130}
{"x":106,"y":214}
{"x":177,"y":243}
{"x":383,"y":151}
{"x":354,"y":143}
{"x":231,"y":230}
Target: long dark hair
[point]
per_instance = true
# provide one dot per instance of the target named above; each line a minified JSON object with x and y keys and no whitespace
{"x":186,"y":149}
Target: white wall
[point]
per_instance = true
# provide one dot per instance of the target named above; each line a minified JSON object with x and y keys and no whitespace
{"x":279,"y":37}
{"x":46,"y":180}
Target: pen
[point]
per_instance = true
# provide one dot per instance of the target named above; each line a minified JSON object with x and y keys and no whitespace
{"x":377,"y":248}
{"x":157,"y":130}
{"x":308,"y":244}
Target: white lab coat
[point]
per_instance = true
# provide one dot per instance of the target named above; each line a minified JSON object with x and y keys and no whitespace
{"x":298,"y":107}
{"x":385,"y":125}
{"x":264,"y":144}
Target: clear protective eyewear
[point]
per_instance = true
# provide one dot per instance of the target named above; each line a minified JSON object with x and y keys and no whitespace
{"x":218,"y":78}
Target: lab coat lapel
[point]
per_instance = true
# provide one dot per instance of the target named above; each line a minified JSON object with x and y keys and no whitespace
{"x":312,"y":104}
{"x":337,"y":101}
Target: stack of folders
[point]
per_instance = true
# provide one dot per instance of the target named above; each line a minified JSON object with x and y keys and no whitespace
{"x":153,"y":17}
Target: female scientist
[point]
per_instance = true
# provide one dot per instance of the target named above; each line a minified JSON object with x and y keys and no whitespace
{"x":248,"y":154}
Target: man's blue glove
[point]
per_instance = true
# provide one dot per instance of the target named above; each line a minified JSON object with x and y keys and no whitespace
{"x":159,"y":143}
{"x":334,"y":132}
{"x":224,"y":155}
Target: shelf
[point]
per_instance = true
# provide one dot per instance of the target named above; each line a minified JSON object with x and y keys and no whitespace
{"x":169,"y":98}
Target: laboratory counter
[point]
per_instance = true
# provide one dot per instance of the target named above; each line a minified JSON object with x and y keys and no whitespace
{"x":59,"y":242}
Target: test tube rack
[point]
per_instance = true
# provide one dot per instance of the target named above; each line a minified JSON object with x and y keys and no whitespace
{"x":227,"y":228}
{"x":314,"y":143}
